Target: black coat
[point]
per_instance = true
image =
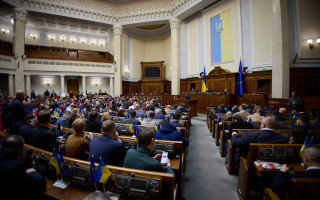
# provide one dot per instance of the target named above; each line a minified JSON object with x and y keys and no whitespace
{"x":43,"y":139}
{"x":93,"y":126}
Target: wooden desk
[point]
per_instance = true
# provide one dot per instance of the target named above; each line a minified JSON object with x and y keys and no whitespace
{"x":259,"y":171}
{"x":190,"y":103}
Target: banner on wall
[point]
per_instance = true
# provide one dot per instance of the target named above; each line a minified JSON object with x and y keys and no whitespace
{"x":221,"y":37}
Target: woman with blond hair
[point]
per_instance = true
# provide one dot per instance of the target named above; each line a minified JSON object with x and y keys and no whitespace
{"x":105,"y":116}
{"x":168,"y":109}
{"x":77,"y":145}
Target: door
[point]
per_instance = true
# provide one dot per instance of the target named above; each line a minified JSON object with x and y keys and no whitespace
{"x":73,"y":86}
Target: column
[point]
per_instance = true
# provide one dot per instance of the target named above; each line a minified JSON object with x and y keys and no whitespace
{"x":111,"y":92}
{"x":10,"y":80}
{"x":84,"y":85}
{"x":175,"y":55}
{"x":19,"y":27}
{"x":28,"y":85}
{"x":61,"y":84}
{"x":117,"y":35}
{"x":280,"y":49}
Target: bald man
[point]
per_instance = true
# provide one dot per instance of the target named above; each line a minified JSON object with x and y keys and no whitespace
{"x":265,"y":135}
{"x":311,"y":162}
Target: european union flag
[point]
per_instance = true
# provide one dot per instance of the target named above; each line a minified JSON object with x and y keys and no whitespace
{"x":239,"y":84}
{"x":102,"y":173}
{"x":64,"y":169}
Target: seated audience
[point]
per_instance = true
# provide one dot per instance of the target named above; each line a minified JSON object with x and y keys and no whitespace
{"x":108,"y":146}
{"x":239,"y":123}
{"x":16,"y":181}
{"x":141,"y":113}
{"x":77,"y":146}
{"x":41,"y":136}
{"x":277,"y":116}
{"x":311,"y":162}
{"x":228,"y":118}
{"x":175,"y":120}
{"x":159,"y":114}
{"x":140,"y":158}
{"x":257,"y":116}
{"x":26,"y":130}
{"x":265,"y":135}
{"x":131,"y":119}
{"x":105,"y":116}
{"x":121,"y":112}
{"x":314,"y":122}
{"x":221,"y":109}
{"x":169,"y":132}
{"x":64,"y":120}
{"x":150,"y":120}
{"x":92,"y":125}
{"x":242,"y":111}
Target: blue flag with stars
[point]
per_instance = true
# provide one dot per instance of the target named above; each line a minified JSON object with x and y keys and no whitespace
{"x":239,"y":83}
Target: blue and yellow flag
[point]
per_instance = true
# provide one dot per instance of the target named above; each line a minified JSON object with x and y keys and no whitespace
{"x":55,"y":162}
{"x":155,"y":126}
{"x":204,"y":83}
{"x":303,"y":147}
{"x":250,"y":120}
{"x":218,"y":117}
{"x":102,"y":173}
{"x":64,"y":168}
{"x":99,"y":121}
{"x":131,"y":128}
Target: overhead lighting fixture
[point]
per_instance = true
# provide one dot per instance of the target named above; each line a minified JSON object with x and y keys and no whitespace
{"x":34,"y":36}
{"x":310,"y":41}
{"x":51,"y":37}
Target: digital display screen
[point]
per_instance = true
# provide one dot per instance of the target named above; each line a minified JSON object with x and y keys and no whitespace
{"x":80,"y":173}
{"x":123,"y":128}
{"x":138,"y":184}
{"x":160,"y":147}
{"x":279,"y":152}
{"x":152,"y":72}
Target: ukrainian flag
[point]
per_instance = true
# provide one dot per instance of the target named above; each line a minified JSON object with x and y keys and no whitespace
{"x":55,"y":161}
{"x":221,"y":37}
{"x":102,"y":173}
{"x":131,"y":128}
{"x":303,"y":147}
{"x":155,"y":126}
{"x":204,"y":83}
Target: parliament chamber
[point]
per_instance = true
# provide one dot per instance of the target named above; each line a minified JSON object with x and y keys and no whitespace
{"x":160,"y":99}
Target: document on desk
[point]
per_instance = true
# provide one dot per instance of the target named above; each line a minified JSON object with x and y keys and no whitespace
{"x":267,"y":165}
{"x":113,"y":195}
{"x":61,"y":184}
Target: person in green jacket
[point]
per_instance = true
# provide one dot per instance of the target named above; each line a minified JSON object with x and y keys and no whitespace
{"x":140,"y":158}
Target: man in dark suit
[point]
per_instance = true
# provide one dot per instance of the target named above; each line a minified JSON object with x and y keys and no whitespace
{"x":26,"y":130}
{"x":18,"y":112}
{"x":239,"y":123}
{"x":108,"y":147}
{"x":311,"y":161}
{"x":33,"y":95}
{"x":16,"y":181}
{"x":131,"y":119}
{"x":53,"y":94}
{"x":92,"y":125}
{"x":159,"y":114}
{"x":46,"y":93}
{"x":221,"y":109}
{"x":265,"y":135}
{"x":64,"y":120}
{"x":41,"y":136}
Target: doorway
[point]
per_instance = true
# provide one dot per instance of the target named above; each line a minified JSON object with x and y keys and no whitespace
{"x":73,"y":86}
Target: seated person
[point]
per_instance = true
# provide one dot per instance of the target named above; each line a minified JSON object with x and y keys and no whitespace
{"x":77,"y":146}
{"x":16,"y":181}
{"x":257,"y":116}
{"x":276,"y":115}
{"x":311,"y":161}
{"x":92,"y":125}
{"x":64,"y":120}
{"x":208,"y":91}
{"x":239,"y":123}
{"x":140,"y":158}
{"x":41,"y":136}
{"x":168,"y":109}
{"x":108,"y":146}
{"x":131,"y":119}
{"x":26,"y":130}
{"x":228,"y":118}
{"x":242,"y":111}
{"x":265,"y":135}
{"x":225,"y":91}
{"x":121,"y":112}
{"x":187,"y":96}
{"x":175,"y":120}
{"x":150,"y":120}
{"x":141,"y":113}
{"x":169,"y":132}
{"x":221,"y":109}
{"x":159,"y":114}
{"x":105,"y":116}
{"x":314,"y":122}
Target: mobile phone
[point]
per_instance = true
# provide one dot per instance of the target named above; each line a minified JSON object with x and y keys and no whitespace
{"x":164,"y":157}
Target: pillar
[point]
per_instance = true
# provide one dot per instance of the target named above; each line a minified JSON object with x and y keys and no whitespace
{"x":117,"y":38}
{"x":111,"y":92}
{"x":19,"y":27}
{"x":10,"y":83}
{"x":84,"y":85}
{"x":61,"y":84}
{"x":28,"y":85}
{"x":280,"y":49}
{"x":175,"y":55}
